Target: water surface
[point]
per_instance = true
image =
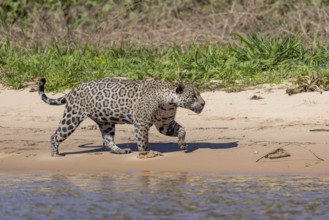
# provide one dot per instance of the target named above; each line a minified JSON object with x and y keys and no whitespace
{"x":154,"y":195}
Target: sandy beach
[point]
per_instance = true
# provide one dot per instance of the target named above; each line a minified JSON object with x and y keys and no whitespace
{"x":229,"y":136}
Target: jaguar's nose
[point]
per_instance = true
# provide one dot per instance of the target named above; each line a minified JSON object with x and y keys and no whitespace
{"x":202,"y":103}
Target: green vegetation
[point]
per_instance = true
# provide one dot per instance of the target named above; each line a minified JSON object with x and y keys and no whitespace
{"x":70,"y":42}
{"x":254,"y":60}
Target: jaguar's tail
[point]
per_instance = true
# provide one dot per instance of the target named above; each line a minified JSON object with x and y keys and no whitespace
{"x":44,"y":97}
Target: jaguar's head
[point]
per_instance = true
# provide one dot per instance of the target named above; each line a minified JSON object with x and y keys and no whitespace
{"x":187,"y":96}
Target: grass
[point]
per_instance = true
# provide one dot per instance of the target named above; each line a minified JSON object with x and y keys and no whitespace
{"x":254,"y":60}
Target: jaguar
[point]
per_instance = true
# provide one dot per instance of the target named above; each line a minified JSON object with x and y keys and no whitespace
{"x":112,"y":101}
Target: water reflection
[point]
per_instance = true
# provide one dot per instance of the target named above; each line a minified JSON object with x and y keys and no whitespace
{"x":152,"y":195}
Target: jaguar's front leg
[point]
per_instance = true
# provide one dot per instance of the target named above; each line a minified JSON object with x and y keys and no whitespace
{"x":172,"y":128}
{"x":181,"y":138}
{"x":141,"y":134}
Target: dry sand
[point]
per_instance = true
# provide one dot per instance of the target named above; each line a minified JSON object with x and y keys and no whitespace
{"x":227,"y":137}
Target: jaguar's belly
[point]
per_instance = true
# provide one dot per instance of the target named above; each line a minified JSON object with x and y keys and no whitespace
{"x":113,"y":118}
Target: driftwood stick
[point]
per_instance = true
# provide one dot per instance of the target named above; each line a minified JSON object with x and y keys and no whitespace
{"x":279,"y":156}
{"x":281,"y":150}
{"x":266,"y":155}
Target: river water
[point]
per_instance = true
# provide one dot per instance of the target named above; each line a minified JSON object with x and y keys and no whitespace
{"x":156,"y":195}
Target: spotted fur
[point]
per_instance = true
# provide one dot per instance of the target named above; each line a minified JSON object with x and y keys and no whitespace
{"x":114,"y":101}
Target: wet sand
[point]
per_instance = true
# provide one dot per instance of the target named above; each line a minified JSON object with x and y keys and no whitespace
{"x":229,"y":136}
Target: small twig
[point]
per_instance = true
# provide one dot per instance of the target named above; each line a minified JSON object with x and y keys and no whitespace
{"x":260,"y":158}
{"x":316,"y":155}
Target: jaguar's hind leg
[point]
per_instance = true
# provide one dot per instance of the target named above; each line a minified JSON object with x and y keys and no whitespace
{"x":108,"y":133}
{"x":66,"y":127}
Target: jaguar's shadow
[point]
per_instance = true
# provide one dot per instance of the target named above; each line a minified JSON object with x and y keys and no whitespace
{"x":90,"y":149}
{"x":173,"y":147}
{"x":161,"y":147}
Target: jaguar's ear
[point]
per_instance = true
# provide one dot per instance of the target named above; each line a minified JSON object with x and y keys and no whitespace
{"x":180,"y":88}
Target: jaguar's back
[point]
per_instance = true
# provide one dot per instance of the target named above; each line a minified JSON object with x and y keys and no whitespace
{"x":105,"y":100}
